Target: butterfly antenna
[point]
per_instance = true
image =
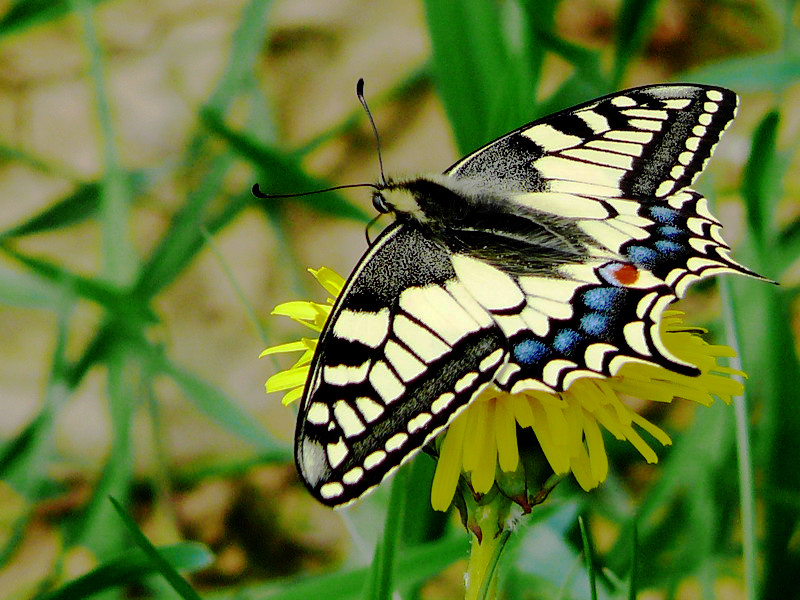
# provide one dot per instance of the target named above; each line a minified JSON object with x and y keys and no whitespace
{"x":360,"y":94}
{"x":256,"y":190}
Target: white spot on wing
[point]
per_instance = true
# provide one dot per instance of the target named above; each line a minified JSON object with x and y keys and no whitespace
{"x":595,"y":354}
{"x":491,"y":287}
{"x":637,"y":137}
{"x":423,"y":343}
{"x":370,"y":409}
{"x":336,"y":453}
{"x":374,"y":459}
{"x":347,"y":418}
{"x":550,"y":138}
{"x":553,"y":369}
{"x":635,"y":336}
{"x":385,"y":382}
{"x":369,"y":328}
{"x":344,"y":375}
{"x":318,"y":413}
{"x":331,"y":490}
{"x":312,"y":461}
{"x":405,"y":364}
{"x":353,"y":476}
{"x":418,"y":422}
{"x":442,"y":402}
{"x":465,"y":382}
{"x":396,"y":442}
{"x":492,"y":360}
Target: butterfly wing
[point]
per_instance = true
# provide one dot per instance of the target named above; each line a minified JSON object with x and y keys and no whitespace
{"x":617,"y":168}
{"x":405,"y":349}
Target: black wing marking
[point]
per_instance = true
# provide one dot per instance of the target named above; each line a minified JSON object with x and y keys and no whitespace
{"x":404,"y":351}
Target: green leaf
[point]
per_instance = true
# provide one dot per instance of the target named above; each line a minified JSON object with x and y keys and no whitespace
{"x":80,"y":205}
{"x":130,"y":567}
{"x":280,"y":172}
{"x":24,"y":14}
{"x":219,"y":407}
{"x":379,"y":584}
{"x":774,"y":70}
{"x":761,"y":180}
{"x":470,"y":64}
{"x":634,"y":23}
{"x":412,"y":567}
{"x":162,"y":565}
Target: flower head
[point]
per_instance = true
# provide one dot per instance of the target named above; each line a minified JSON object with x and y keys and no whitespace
{"x":487,"y":443}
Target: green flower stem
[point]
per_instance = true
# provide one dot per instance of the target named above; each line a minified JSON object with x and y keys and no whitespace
{"x":488,"y":541}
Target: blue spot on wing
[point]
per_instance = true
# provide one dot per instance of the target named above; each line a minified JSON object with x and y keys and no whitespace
{"x":603,"y":298}
{"x":642,"y":256}
{"x":566,"y":340}
{"x":668,"y":247}
{"x":662,"y":214}
{"x":595,"y":323}
{"x":668,"y":231}
{"x":530,"y":351}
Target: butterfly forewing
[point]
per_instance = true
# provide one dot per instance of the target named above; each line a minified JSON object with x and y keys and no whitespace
{"x":641,"y":144}
{"x":405,"y":349}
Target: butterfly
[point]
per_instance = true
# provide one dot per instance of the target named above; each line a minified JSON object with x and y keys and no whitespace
{"x":546,"y":256}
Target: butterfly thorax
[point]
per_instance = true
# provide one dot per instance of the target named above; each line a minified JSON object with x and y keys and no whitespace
{"x":466,"y":217}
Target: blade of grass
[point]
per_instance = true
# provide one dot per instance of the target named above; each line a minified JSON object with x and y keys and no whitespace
{"x":97,"y":527}
{"x":217,"y":406}
{"x":379,"y":583}
{"x":119,"y":256}
{"x":75,"y":208}
{"x":744,"y":457}
{"x":761,"y":184}
{"x":277,"y":168}
{"x":635,"y":21}
{"x":24,"y":14}
{"x":178,"y":583}
{"x":130,"y":567}
{"x":773,"y":70}
{"x":588,"y":556}
{"x":468,"y":64}
{"x":413,"y":566}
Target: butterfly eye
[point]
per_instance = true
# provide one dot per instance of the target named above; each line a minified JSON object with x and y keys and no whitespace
{"x":379,"y":202}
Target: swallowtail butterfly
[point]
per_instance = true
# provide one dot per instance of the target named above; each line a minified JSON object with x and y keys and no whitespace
{"x":545,"y":256}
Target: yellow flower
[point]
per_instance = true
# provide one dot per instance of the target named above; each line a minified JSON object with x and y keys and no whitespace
{"x":481,"y":443}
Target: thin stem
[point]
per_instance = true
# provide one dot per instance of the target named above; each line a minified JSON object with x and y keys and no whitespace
{"x":485,"y":554}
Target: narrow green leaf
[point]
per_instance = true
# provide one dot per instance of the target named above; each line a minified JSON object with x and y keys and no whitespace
{"x":75,"y":208}
{"x":26,"y":290}
{"x":130,"y":567}
{"x":774,"y":70}
{"x":24,"y":14}
{"x":379,"y":585}
{"x":119,"y":256}
{"x":634,"y":23}
{"x":412,"y":567}
{"x":120,"y":304}
{"x":469,"y":63}
{"x":588,"y":556}
{"x":760,"y":181}
{"x":219,"y":407}
{"x":178,"y":583}
{"x":280,"y":172}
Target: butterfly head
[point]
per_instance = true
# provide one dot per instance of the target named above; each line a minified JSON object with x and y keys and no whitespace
{"x":422,"y":199}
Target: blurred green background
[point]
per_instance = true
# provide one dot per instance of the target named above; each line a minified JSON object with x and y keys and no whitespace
{"x":137,"y":274}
